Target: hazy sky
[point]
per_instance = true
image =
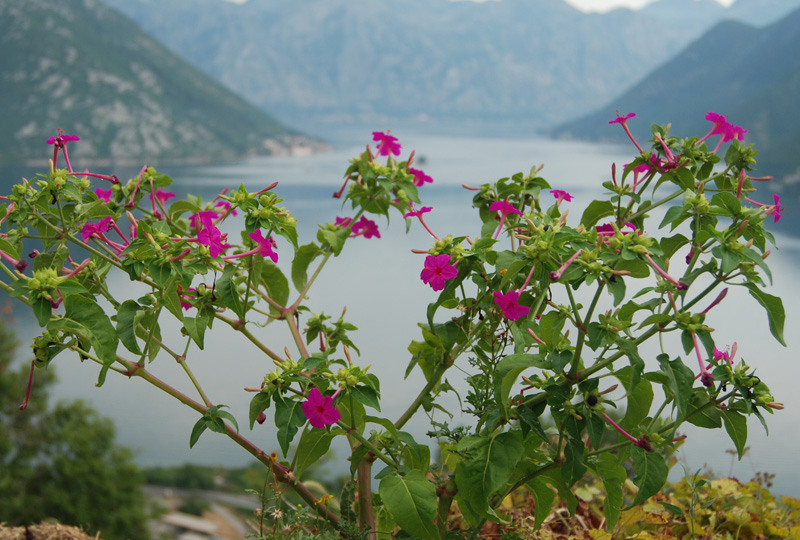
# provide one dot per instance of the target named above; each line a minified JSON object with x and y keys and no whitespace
{"x":606,"y":5}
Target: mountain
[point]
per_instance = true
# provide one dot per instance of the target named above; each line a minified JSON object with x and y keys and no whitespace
{"x":750,"y":74}
{"x":81,"y":66}
{"x":312,"y":62}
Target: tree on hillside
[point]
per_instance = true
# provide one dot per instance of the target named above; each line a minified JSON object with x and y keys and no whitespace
{"x":61,"y":462}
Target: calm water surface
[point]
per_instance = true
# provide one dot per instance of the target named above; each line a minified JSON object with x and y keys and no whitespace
{"x":378,"y":282}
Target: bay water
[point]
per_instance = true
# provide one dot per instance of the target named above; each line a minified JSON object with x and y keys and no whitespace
{"x":377,"y":280}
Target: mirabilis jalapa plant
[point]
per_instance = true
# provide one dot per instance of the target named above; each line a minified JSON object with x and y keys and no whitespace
{"x":509,"y":309}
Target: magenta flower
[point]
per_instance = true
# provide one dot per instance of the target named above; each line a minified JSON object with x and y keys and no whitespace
{"x":60,"y":139}
{"x":366,"y":228}
{"x":561,"y":195}
{"x":437,"y":271}
{"x":418,"y":212}
{"x":200,"y":218}
{"x":622,"y":119}
{"x":504,"y":207}
{"x":263,"y":247}
{"x":226,"y":206}
{"x":164,"y":196}
{"x":387,"y":144}
{"x":510,"y":306}
{"x":558,"y":273}
{"x":343,"y":221}
{"x":420,"y":178}
{"x":212,"y":237}
{"x":91,"y":229}
{"x":104,"y":194}
{"x":319,"y":409}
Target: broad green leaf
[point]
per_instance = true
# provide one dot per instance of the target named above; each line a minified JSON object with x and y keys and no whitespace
{"x":774,"y":307}
{"x":314,"y":443}
{"x":275,"y":282}
{"x":488,"y":465}
{"x":640,"y":397}
{"x":102,"y":335}
{"x":507,"y":372}
{"x":574,"y":466}
{"x":366,"y":396}
{"x":543,"y":498}
{"x":651,"y":474}
{"x":709,"y":417}
{"x":596,"y":211}
{"x":42,"y":310}
{"x":681,"y":381}
{"x":288,"y":417}
{"x":125,"y":325}
{"x":302,"y":259}
{"x":228,"y":293}
{"x":613,"y":475}
{"x":258,"y":404}
{"x":411,"y":501}
{"x":736,"y":426}
{"x":196,"y":328}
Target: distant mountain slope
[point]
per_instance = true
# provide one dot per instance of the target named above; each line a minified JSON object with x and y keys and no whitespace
{"x":750,"y":74}
{"x":538,"y":62}
{"x":81,"y":66}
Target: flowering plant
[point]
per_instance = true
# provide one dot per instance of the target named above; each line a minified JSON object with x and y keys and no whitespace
{"x":544,"y":309}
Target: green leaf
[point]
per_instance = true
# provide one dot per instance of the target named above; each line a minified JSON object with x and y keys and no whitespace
{"x":196,"y":328}
{"x":736,"y":426}
{"x":125,"y":325}
{"x":709,"y":417}
{"x":228,"y":293}
{"x":258,"y":404}
{"x":613,"y":475}
{"x":102,"y":335}
{"x":314,"y":443}
{"x":651,"y":474}
{"x":596,"y":211}
{"x":302,"y":259}
{"x":543,"y":498}
{"x":488,"y":465}
{"x":640,"y":397}
{"x":366,"y":396}
{"x":680,"y":381}
{"x":288,"y":417}
{"x":197,"y":430}
{"x":411,"y":501}
{"x":43,"y":310}
{"x":774,"y":307}
{"x":507,"y":372}
{"x":574,"y":466}
{"x":276,"y":284}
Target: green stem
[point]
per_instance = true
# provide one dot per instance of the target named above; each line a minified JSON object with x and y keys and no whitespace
{"x":352,"y":432}
{"x":302,"y":295}
{"x":282,"y":474}
{"x":240,"y":327}
{"x":582,"y":331}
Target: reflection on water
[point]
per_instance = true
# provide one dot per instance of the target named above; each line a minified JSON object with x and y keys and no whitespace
{"x":378,"y":282}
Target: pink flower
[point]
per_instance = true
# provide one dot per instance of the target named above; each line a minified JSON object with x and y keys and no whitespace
{"x":264,"y":245}
{"x":366,"y":228}
{"x":60,"y":139}
{"x":387,"y":144}
{"x":225,"y":205}
{"x":343,"y":221}
{"x":776,"y":212}
{"x":91,"y":229}
{"x":510,"y":306}
{"x":104,"y":194}
{"x":163,"y":196}
{"x":438,"y":270}
{"x":504,"y":207}
{"x":212,"y":237}
{"x":418,"y":212}
{"x":319,"y":409}
{"x":561,"y":195}
{"x":200,"y":218}
{"x":622,"y":119}
{"x":420,"y":178}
